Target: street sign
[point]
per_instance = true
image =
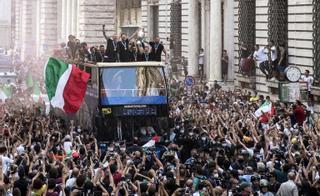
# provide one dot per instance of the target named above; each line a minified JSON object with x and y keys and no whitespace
{"x":189,"y":81}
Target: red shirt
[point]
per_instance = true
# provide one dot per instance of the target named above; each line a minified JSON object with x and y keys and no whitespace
{"x":300,"y":115}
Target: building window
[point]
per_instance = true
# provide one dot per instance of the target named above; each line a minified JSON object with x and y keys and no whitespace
{"x":68,"y":18}
{"x":246,"y":35}
{"x":247,"y":25}
{"x":278,"y":22}
{"x":154,"y":18}
{"x":316,"y":39}
{"x":175,"y":33}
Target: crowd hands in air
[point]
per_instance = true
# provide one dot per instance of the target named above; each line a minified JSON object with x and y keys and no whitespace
{"x":215,"y":146}
{"x":117,"y":49}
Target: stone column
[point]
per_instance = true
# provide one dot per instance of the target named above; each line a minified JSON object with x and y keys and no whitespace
{"x":193,"y":38}
{"x":203,"y":23}
{"x":215,"y":41}
{"x":207,"y":39}
{"x":48,"y":26}
{"x":228,"y":34}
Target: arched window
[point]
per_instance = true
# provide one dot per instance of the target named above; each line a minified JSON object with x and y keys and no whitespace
{"x":247,"y":24}
{"x":175,"y":32}
{"x":278,"y":22}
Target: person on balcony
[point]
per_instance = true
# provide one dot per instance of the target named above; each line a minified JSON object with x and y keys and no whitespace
{"x":261,"y":58}
{"x":225,"y":64}
{"x":201,"y":63}
{"x":282,"y":64}
{"x":274,"y":60}
{"x":243,"y":56}
{"x":308,"y":79}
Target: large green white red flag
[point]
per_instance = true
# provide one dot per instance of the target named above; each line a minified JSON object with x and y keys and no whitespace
{"x":66,"y":85}
{"x":266,"y":107}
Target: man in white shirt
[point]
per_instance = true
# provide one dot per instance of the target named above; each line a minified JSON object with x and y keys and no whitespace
{"x":6,"y":163}
{"x":289,"y":188}
{"x":71,"y":182}
{"x":261,"y":58}
{"x":308,"y":79}
{"x":259,"y":54}
{"x":201,"y":63}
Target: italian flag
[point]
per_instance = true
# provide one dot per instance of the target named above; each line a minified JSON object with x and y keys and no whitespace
{"x":66,"y":85}
{"x":266,"y":107}
{"x":151,"y":142}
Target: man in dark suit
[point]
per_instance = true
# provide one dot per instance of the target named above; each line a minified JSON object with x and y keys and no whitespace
{"x":100,"y":54}
{"x":156,"y":50}
{"x":111,"y":51}
{"x":133,"y":54}
{"x":123,"y":47}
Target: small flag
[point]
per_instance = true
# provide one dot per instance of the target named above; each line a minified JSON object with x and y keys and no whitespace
{"x":151,"y":142}
{"x":266,"y":107}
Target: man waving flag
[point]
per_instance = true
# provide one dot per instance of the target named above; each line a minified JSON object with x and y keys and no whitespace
{"x":66,"y":85}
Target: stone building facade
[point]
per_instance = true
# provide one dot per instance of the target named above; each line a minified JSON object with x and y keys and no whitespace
{"x":206,"y":24}
{"x":5,"y":24}
{"x":184,"y":26}
{"x":40,"y":25}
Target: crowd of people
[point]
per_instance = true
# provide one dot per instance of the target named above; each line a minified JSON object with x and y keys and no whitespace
{"x":117,"y":49}
{"x":216,"y":145}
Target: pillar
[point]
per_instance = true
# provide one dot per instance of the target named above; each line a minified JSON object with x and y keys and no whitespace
{"x":203,"y":23}
{"x":207,"y":38}
{"x":229,"y":33}
{"x":193,"y":38}
{"x":215,"y":41}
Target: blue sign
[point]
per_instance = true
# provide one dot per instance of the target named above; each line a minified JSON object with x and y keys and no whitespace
{"x":189,"y":81}
{"x":152,"y":100}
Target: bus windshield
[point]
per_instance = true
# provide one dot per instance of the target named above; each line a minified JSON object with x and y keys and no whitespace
{"x":132,"y":85}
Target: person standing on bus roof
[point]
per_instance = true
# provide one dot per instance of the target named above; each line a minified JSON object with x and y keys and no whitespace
{"x":111,"y":51}
{"x":156,"y":50}
{"x":133,"y":53}
{"x":144,"y":55}
{"x":123,"y":47}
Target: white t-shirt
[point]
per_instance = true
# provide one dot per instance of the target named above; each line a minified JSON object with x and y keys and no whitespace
{"x":274,"y":53}
{"x":71,"y":182}
{"x":260,"y":55}
{"x":6,"y":163}
{"x":67,"y":145}
{"x":308,"y":80}
{"x":201,"y":59}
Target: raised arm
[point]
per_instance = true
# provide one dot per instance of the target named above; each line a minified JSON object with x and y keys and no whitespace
{"x":104,"y":32}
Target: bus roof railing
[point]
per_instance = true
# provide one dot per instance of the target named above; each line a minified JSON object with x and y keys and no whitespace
{"x":127,"y":64}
